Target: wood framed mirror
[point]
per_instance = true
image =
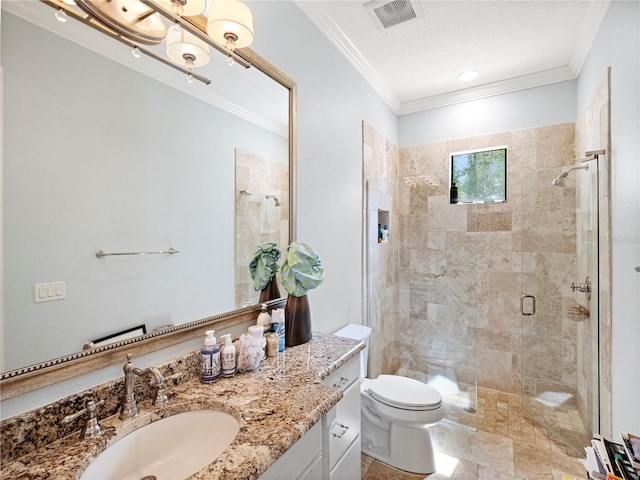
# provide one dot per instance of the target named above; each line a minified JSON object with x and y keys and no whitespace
{"x":65,"y":244}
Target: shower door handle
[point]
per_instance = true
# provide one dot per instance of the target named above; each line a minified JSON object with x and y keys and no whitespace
{"x":528,"y":305}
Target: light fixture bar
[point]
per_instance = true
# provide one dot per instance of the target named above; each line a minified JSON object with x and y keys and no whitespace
{"x":194,"y":31}
{"x":100,"y":27}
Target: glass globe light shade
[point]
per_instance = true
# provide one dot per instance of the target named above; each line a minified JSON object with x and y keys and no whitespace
{"x":183,"y":43}
{"x":230,"y":18}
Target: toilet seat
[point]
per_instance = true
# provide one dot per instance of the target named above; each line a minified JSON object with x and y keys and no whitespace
{"x":404,"y":393}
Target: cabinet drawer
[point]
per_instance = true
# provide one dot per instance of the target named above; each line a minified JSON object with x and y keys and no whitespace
{"x":341,"y":425}
{"x":300,"y":459}
{"x":343,"y":377}
{"x":349,"y":465}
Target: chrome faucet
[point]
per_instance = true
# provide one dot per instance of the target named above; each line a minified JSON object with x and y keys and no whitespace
{"x":129,"y":403}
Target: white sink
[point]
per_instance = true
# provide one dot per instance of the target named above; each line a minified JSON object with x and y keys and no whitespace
{"x":173,"y":447}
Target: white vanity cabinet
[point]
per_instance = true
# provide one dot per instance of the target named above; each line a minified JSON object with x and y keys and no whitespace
{"x":341,"y":425}
{"x":303,"y":461}
{"x":331,"y":449}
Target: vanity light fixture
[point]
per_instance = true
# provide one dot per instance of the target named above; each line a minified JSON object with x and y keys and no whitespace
{"x":189,"y":34}
{"x":130,"y":18}
{"x":468,"y":75}
{"x":230,"y":24}
{"x":185,"y":49}
{"x":185,"y":8}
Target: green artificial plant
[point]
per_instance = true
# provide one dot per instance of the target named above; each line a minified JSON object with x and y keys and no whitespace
{"x":301,"y":270}
{"x":264,"y":264}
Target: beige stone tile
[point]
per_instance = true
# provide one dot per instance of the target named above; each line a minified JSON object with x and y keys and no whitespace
{"x":379,"y":471}
{"x":478,"y":447}
{"x":365,"y":463}
{"x":489,"y":222}
{"x":446,"y":217}
{"x":452,"y":468}
{"x":534,"y":462}
{"x":555,"y":145}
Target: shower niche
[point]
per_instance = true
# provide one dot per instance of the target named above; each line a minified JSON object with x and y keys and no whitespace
{"x":383,"y":226}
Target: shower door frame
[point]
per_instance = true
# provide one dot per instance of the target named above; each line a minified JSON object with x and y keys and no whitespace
{"x":530,"y":395}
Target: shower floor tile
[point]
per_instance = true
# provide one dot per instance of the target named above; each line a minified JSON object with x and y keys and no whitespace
{"x":508,"y":444}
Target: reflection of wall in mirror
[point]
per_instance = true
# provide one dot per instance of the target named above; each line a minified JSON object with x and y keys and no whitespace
{"x":259,"y":217}
{"x":98,"y":156}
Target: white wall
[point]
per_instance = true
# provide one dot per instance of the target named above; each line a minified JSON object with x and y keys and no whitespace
{"x":618,"y":45}
{"x":535,"y":107}
{"x":333,"y":100}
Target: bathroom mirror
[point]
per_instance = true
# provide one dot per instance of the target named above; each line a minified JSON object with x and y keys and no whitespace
{"x":121,"y":155}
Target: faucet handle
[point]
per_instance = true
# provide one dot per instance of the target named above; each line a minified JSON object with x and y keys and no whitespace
{"x":92,"y":428}
{"x":161,"y":392}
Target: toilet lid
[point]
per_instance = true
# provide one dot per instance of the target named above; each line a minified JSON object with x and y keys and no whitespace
{"x":404,"y":392}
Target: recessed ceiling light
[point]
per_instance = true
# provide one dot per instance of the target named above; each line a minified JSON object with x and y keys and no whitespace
{"x":468,"y":75}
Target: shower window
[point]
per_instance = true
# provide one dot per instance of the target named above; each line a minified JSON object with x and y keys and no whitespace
{"x":480,"y":176}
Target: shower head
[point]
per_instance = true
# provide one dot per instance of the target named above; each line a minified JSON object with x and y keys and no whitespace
{"x":559,"y":180}
{"x":275,"y":199}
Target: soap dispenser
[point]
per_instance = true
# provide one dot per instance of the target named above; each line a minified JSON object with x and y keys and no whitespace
{"x":228,"y":357}
{"x":264,"y":320}
{"x":210,"y":359}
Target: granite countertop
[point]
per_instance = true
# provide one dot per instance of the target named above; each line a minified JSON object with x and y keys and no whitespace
{"x":275,"y":405}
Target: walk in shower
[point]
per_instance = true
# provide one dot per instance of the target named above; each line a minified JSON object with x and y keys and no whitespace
{"x":467,"y":297}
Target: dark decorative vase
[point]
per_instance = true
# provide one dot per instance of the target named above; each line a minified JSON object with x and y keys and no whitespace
{"x":270,"y":292}
{"x":297,"y":321}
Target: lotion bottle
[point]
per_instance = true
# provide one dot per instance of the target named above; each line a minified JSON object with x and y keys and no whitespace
{"x":228,"y":357}
{"x":264,"y":320}
{"x":210,"y":359}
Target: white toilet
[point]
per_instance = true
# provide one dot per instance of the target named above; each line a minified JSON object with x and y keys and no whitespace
{"x":396,"y":412}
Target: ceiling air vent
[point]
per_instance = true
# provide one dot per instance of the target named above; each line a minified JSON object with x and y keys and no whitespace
{"x":392,"y":13}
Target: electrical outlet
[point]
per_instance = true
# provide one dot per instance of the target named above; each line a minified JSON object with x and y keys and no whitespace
{"x":47,"y":292}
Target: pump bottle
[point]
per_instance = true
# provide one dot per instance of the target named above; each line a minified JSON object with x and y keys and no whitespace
{"x":228,"y":357}
{"x":210,"y":359}
{"x":264,"y":320}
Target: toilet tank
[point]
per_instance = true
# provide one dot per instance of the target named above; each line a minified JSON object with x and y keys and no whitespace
{"x":362,"y":334}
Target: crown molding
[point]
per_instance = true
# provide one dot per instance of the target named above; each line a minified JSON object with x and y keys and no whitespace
{"x":523,"y":82}
{"x":317,"y":13}
{"x":587,"y":34}
{"x":319,"y":16}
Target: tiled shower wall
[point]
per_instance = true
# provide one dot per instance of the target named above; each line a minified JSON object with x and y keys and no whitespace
{"x":446,"y":289}
{"x":258,"y":219}
{"x":381,"y":266}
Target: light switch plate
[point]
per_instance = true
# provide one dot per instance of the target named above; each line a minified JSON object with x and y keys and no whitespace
{"x":47,"y":292}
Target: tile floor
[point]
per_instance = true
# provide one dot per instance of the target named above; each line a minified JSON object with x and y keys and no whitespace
{"x":508,"y":444}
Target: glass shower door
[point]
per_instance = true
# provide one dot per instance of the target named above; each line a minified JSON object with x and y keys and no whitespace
{"x":423,"y":285}
{"x":559,"y":334}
